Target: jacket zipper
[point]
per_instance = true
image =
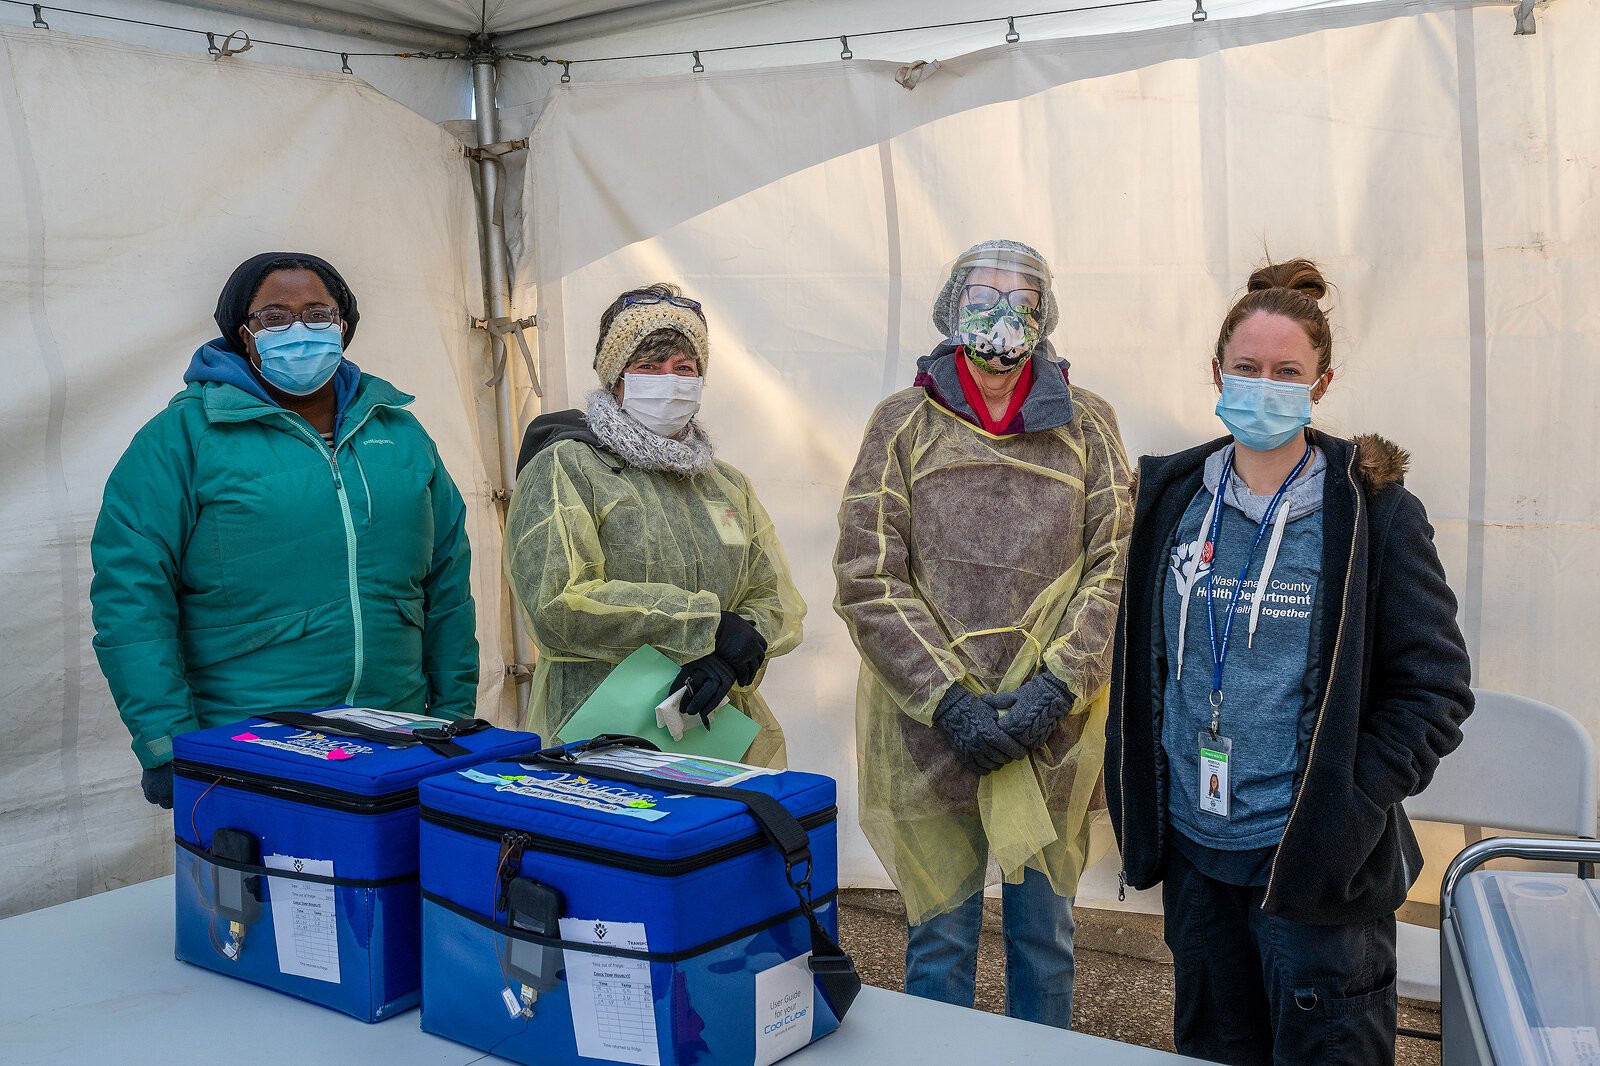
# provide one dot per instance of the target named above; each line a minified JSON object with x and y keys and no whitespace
{"x":621,"y":860}
{"x":1122,"y":764}
{"x":321,"y":796}
{"x":349,"y":541}
{"x":1327,"y":692}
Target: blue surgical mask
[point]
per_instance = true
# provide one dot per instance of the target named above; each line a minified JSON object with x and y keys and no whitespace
{"x":1263,"y":414}
{"x":299,"y":360}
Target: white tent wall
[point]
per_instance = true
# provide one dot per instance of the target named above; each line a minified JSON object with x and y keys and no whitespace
{"x":1536,"y":419}
{"x":121,"y":218}
{"x":1440,"y":169}
{"x":732,"y":41}
{"x":437,"y":89}
{"x":885,"y":30}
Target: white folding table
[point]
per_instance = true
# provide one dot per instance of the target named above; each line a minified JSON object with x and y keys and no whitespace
{"x":95,"y":981}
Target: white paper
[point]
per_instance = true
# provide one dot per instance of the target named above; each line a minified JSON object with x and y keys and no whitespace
{"x":785,"y":1002}
{"x":395,"y":721}
{"x":613,"y":1012}
{"x":1571,"y":1045}
{"x":305,"y":919}
{"x":696,"y":769}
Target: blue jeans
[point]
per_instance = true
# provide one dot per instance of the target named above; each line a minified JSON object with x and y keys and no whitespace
{"x":942,"y":952}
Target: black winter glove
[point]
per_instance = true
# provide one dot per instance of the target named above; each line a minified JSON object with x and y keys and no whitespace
{"x":1032,"y":711}
{"x":980,"y":745}
{"x":157,"y":785}
{"x":740,"y":646}
{"x":708,"y":679}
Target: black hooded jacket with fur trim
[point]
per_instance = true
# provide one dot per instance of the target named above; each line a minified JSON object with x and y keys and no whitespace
{"x":1386,"y":687}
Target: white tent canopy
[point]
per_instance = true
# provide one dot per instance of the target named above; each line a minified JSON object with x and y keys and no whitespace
{"x":1440,"y":168}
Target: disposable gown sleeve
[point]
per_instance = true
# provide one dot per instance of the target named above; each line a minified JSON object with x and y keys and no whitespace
{"x":148,"y":510}
{"x":771,"y":603}
{"x":1080,"y":654}
{"x":893,"y":628}
{"x":449,"y":629}
{"x":559,"y":573}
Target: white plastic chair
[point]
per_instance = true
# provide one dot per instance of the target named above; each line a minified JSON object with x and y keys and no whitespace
{"x":1523,"y":766}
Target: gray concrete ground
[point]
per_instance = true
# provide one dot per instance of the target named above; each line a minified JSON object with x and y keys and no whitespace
{"x":1124,"y":983}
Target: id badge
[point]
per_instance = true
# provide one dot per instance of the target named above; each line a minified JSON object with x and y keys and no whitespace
{"x":1215,"y":755}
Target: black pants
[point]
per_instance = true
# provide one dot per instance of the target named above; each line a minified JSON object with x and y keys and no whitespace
{"x":1255,"y":988}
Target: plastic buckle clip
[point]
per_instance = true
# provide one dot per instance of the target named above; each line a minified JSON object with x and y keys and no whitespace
{"x":451,"y":730}
{"x":512,"y":846}
{"x":832,"y":964}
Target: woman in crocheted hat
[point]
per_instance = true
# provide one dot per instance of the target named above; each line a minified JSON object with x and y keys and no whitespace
{"x":627,"y":530}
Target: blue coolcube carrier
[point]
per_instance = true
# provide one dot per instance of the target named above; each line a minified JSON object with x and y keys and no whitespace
{"x":297,"y":849}
{"x":585,"y":905}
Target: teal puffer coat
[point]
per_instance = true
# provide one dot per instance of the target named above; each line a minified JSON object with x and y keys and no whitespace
{"x":242,"y":566}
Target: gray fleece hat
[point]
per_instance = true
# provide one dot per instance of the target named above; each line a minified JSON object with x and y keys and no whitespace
{"x":947,"y":307}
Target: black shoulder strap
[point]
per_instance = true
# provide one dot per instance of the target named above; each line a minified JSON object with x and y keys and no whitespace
{"x":437,"y":739}
{"x":834,"y":968}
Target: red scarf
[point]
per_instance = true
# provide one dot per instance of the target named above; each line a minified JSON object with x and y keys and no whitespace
{"x":969,"y":389}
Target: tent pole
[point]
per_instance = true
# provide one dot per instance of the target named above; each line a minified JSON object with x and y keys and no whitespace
{"x":497,"y":298}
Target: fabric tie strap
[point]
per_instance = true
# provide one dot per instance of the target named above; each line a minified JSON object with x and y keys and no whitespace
{"x":511,"y":327}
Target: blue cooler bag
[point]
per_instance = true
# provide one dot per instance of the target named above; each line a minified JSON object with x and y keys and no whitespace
{"x":297,"y":848}
{"x":603,"y":903}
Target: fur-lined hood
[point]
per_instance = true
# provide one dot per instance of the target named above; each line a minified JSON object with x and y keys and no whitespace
{"x":1381,"y":461}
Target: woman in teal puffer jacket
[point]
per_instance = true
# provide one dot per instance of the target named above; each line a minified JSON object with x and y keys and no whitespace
{"x":282,"y":536}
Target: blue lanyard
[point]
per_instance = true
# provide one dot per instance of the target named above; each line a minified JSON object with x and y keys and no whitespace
{"x":1219,"y":654}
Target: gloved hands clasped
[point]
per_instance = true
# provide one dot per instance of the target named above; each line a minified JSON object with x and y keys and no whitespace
{"x":1032,"y":711}
{"x":157,"y":785}
{"x":736,"y":657}
{"x":973,"y":729}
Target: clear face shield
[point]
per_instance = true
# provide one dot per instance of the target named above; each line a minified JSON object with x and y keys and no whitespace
{"x":1000,"y":308}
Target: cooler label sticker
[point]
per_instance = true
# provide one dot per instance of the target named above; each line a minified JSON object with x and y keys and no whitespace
{"x":613,"y":1008}
{"x":1570,"y":1045}
{"x":305,"y":919}
{"x":785,"y":1002}
{"x":314,"y":745}
{"x":575,"y":790}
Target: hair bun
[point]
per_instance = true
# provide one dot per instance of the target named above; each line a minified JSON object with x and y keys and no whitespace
{"x":1301,"y":275}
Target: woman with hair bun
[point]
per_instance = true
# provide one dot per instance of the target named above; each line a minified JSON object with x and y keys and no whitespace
{"x":1287,"y":670}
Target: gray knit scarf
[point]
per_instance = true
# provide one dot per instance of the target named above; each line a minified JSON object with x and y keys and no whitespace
{"x":639,"y":447}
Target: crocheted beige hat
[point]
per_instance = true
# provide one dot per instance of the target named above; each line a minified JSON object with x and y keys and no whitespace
{"x":636,"y":322}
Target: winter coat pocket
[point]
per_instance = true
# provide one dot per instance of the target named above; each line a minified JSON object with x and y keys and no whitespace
{"x":216,"y":644}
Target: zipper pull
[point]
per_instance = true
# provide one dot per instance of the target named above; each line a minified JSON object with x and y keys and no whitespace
{"x":512,"y":846}
{"x":1122,"y":885}
{"x":333,"y":465}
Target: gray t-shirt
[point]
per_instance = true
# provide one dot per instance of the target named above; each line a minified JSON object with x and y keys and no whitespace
{"x":1264,"y":683}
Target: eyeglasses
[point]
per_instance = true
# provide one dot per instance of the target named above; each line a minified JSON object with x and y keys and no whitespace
{"x":276,"y":319}
{"x":642,"y":299}
{"x":985,"y":297}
